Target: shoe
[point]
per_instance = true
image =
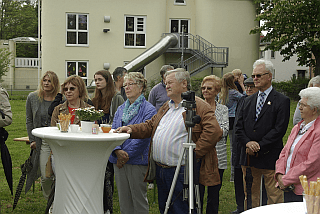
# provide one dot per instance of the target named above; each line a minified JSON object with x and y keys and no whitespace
{"x":51,"y":210}
{"x":235,"y":212}
{"x":151,"y":186}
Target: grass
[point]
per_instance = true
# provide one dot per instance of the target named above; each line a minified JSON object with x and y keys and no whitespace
{"x":35,"y":203}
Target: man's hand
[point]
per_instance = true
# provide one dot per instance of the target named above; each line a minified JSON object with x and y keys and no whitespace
{"x":253,"y":146}
{"x":33,"y":145}
{"x":124,"y":129}
{"x":280,"y":182}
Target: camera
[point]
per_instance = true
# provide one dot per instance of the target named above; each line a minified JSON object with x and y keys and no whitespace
{"x":188,"y":96}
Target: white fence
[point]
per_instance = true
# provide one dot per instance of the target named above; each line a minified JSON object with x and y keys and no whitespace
{"x":26,"y":62}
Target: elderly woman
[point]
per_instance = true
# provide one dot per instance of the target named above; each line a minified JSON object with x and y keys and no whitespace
{"x":76,"y":94}
{"x":301,"y":154}
{"x":131,"y":158}
{"x":37,"y":116}
{"x":210,"y":87}
{"x":107,"y":98}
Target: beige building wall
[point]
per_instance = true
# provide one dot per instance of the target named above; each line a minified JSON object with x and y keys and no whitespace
{"x":224,"y":23}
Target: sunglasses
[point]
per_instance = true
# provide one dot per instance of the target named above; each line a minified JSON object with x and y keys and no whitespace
{"x":71,"y":89}
{"x":208,"y":88}
{"x":258,"y":75}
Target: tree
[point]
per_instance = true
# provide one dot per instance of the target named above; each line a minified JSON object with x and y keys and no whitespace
{"x":5,"y":55}
{"x":293,"y":27}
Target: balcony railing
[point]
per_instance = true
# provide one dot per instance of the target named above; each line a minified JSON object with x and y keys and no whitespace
{"x":26,"y":62}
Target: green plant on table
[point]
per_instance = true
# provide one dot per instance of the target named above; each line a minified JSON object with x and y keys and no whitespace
{"x":88,"y":114}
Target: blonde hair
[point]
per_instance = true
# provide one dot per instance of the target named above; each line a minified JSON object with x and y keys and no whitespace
{"x":227,"y":84}
{"x":54,"y":82}
{"x":216,"y":82}
{"x":236,"y":72}
{"x":79,"y":83}
{"x":138,"y":78}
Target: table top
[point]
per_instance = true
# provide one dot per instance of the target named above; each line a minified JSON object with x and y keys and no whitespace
{"x":54,"y":133}
{"x":283,"y":208}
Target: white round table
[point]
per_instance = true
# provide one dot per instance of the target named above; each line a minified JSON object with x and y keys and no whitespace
{"x":282,"y":208}
{"x":80,"y":164}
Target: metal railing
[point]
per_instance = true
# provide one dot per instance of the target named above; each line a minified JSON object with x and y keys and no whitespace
{"x":26,"y":62}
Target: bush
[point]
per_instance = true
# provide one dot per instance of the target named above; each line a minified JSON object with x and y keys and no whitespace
{"x":291,"y":88}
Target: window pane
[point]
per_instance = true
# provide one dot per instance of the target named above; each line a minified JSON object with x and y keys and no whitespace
{"x":140,"y":40}
{"x":174,"y":26}
{"x":140,"y":26}
{"x":83,"y":39}
{"x":82,"y":22}
{"x":180,"y":1}
{"x":71,"y":70}
{"x":82,"y":69}
{"x":71,"y":21}
{"x":184,"y":24}
{"x":129,"y":39}
{"x":71,"y":38}
{"x":129,"y":23}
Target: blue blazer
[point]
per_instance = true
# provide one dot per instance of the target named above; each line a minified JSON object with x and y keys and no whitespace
{"x":137,"y":149}
{"x":268,"y":130}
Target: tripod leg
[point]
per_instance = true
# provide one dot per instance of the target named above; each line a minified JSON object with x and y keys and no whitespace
{"x":174,"y":181}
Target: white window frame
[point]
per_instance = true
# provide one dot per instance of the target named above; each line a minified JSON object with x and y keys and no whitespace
{"x":77,"y":30}
{"x":179,"y":3}
{"x":179,"y":27}
{"x":135,"y":32}
{"x":77,"y":69}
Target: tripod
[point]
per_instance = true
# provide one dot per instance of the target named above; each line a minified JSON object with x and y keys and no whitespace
{"x":187,"y":151}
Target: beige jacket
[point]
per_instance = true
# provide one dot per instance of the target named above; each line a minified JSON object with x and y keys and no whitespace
{"x":205,"y":135}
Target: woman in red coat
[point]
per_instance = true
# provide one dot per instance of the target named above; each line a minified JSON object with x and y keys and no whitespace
{"x":301,"y":155}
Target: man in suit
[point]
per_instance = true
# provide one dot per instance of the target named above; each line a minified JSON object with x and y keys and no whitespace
{"x":262,"y":123}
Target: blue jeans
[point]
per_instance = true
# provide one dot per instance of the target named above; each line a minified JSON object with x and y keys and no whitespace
{"x":164,"y":177}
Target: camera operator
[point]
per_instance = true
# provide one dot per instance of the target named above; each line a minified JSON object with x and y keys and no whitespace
{"x":6,"y":114}
{"x":168,"y":132}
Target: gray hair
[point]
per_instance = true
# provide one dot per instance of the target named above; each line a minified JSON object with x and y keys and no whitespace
{"x":314,"y":81}
{"x":165,"y":68}
{"x":312,"y":94}
{"x":118,"y":72}
{"x":138,"y":78}
{"x":180,"y":75}
{"x":268,"y":64}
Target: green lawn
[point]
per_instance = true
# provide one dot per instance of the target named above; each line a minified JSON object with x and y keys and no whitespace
{"x":35,"y":203}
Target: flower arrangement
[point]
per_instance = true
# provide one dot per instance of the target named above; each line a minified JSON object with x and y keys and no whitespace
{"x":88,"y":114}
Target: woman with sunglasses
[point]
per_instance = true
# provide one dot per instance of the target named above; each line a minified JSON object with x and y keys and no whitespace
{"x":130,"y":159}
{"x":210,"y":87}
{"x":76,"y":94}
{"x":230,"y":96}
{"x":107,"y":98}
{"x":37,"y":116}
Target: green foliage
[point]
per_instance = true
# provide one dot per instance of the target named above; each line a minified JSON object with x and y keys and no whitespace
{"x":292,"y":28}
{"x":292,"y":87}
{"x":89,"y":114}
{"x":5,"y":55}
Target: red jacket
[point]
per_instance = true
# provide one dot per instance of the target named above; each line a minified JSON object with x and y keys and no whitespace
{"x":305,"y":158}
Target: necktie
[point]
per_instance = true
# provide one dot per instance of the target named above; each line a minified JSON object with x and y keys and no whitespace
{"x":260,"y":104}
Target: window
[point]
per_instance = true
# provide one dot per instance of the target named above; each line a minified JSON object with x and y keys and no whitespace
{"x":135,"y":31}
{"x":179,"y":2}
{"x":272,"y":55}
{"x":79,"y":68}
{"x":77,"y":29}
{"x":179,"y":26}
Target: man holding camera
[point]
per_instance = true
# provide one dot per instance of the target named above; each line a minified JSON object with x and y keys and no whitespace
{"x":168,"y":132}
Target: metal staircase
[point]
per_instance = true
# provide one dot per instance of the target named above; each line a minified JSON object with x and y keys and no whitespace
{"x":204,"y":55}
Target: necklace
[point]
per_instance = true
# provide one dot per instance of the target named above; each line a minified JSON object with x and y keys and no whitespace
{"x":302,"y":131}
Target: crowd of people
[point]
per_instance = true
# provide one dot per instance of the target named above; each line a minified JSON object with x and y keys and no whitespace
{"x":248,"y":110}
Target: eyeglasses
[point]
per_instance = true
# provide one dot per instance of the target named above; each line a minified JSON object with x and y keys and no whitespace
{"x":249,"y":86}
{"x":70,"y":89}
{"x":303,"y":105}
{"x":208,"y":88}
{"x":258,"y":75}
{"x":130,"y":84}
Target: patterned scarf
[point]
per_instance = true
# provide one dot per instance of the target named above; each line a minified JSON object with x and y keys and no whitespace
{"x":132,"y":110}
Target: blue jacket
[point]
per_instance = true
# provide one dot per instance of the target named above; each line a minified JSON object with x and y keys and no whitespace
{"x":137,"y":149}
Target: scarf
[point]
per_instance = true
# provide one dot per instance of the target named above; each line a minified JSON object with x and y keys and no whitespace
{"x":130,"y":111}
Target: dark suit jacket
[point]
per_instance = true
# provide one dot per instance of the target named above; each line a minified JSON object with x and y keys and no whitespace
{"x":268,"y":130}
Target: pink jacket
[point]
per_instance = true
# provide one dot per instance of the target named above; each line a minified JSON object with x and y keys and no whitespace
{"x":305,"y":158}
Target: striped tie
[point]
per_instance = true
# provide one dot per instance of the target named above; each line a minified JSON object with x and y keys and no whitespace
{"x":260,"y":104}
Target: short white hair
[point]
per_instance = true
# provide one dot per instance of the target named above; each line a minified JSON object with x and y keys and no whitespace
{"x":314,"y":81}
{"x":180,"y":75}
{"x":312,"y":94}
{"x":268,"y":64}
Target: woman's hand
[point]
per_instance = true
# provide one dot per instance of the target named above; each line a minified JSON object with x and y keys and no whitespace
{"x":280,"y":182}
{"x":122,"y":156}
{"x":33,"y":145}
